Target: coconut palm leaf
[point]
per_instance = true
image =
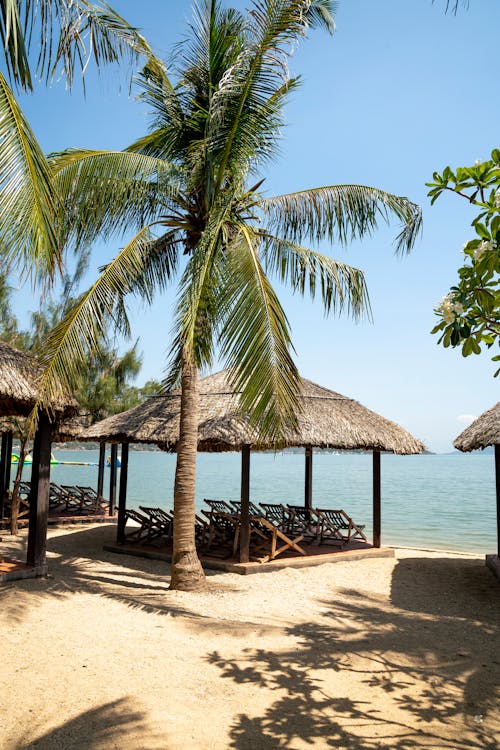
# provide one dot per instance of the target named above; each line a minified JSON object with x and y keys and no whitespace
{"x":255,"y":341}
{"x":340,"y":213}
{"x":29,"y":204}
{"x":145,"y":265}
{"x":342,"y":286}
{"x":109,"y":192}
{"x":66,"y":32}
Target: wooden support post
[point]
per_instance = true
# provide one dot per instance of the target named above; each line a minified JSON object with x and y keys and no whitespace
{"x":497,"y":475}
{"x":112,"y":479}
{"x":3,"y":467}
{"x":122,"y":496}
{"x":245,"y":501}
{"x":376,"y":499}
{"x":308,"y":486}
{"x":100,"y":471}
{"x":39,"y":503}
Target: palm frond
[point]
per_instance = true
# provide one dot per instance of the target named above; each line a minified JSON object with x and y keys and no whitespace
{"x":29,"y":203}
{"x":255,"y":341}
{"x":340,"y":213}
{"x":69,"y":33}
{"x":107,"y":192}
{"x":145,"y":263}
{"x":342,"y":287}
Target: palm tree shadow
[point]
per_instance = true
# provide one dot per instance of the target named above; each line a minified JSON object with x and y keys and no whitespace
{"x":79,"y":564}
{"x":370,"y":671}
{"x":114,"y":724}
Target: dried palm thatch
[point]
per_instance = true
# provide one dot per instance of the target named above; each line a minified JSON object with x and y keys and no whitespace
{"x":484,"y":431}
{"x":327,"y":420}
{"x":19,"y":373}
{"x":70,"y":429}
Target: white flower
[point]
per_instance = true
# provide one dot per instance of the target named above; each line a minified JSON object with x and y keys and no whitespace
{"x":477,"y":162}
{"x":484,"y":247}
{"x":449,"y":308}
{"x":497,"y":198}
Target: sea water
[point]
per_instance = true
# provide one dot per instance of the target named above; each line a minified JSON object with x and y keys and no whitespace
{"x":429,"y":501}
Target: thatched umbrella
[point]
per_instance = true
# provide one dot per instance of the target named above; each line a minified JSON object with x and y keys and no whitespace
{"x":327,"y":420}
{"x":19,"y":374}
{"x":485,"y":431}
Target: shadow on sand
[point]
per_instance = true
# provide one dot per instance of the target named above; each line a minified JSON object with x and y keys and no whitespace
{"x":112,"y":725}
{"x":419,"y":670}
{"x":78,"y":564}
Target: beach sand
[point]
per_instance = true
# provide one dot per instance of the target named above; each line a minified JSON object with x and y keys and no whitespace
{"x":385,"y":653}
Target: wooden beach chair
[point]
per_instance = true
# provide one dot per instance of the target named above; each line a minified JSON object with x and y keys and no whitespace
{"x":254,"y":510}
{"x":223,"y":525}
{"x":160,"y":520}
{"x":91,"y":501}
{"x":145,"y":531}
{"x":266,"y":537}
{"x":336,"y":525}
{"x":278,"y":514}
{"x":304,"y":521}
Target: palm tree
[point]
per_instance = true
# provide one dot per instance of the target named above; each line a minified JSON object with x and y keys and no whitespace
{"x":192,"y":189}
{"x":66,"y":35}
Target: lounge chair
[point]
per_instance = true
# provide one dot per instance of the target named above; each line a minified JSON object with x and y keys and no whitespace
{"x":223,"y":525}
{"x":278,"y":514}
{"x":160,"y":519}
{"x":304,"y":521}
{"x":253,"y":509}
{"x":145,"y":531}
{"x":336,"y":525}
{"x":265,"y":536}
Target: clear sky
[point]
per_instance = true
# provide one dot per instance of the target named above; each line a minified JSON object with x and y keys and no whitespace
{"x":401,"y":90}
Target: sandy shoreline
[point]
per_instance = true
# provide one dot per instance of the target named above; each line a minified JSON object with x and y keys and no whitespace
{"x":387,"y":653}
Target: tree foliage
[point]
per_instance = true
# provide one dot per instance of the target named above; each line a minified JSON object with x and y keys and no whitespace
{"x":470,"y":313}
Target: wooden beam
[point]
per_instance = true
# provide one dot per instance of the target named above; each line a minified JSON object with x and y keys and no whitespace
{"x":100,"y":471}
{"x":122,"y":496}
{"x":497,"y":475}
{"x":308,"y":485}
{"x":112,"y":479}
{"x":245,"y":501}
{"x":376,"y":500}
{"x":39,"y":502}
{"x":4,"y":482}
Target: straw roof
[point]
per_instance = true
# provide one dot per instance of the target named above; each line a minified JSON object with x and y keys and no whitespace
{"x":484,"y":431}
{"x":18,"y":392}
{"x":327,"y":420}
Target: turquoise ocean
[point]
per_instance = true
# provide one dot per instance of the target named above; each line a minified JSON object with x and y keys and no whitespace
{"x":429,"y":501}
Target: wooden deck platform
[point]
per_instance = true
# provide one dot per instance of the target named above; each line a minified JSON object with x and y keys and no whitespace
{"x":315,"y":556}
{"x":13,"y":570}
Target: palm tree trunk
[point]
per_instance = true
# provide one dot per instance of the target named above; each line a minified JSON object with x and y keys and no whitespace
{"x":187,"y":573}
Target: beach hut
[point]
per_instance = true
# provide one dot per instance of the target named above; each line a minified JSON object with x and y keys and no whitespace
{"x":327,"y":420}
{"x":19,"y":373}
{"x":483,"y":432}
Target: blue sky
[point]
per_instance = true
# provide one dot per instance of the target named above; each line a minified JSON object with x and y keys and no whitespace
{"x":401,"y":90}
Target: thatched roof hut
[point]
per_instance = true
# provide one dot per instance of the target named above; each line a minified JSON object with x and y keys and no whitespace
{"x":19,"y":373}
{"x":327,"y":420}
{"x":484,"y":431}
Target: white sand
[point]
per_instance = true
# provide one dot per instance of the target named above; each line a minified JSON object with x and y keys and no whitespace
{"x":371,"y":654}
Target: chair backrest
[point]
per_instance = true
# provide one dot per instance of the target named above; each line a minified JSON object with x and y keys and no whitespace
{"x":219,"y":505}
{"x":275,"y":512}
{"x":158,"y":514}
{"x":253,"y":509}
{"x":336,"y":517}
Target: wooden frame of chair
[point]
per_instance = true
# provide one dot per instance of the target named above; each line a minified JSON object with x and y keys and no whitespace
{"x":278,"y":514}
{"x":146,"y":530}
{"x":335,"y":522}
{"x":304,"y":521}
{"x":160,"y":519}
{"x":269,"y":534}
{"x":224,"y":525}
